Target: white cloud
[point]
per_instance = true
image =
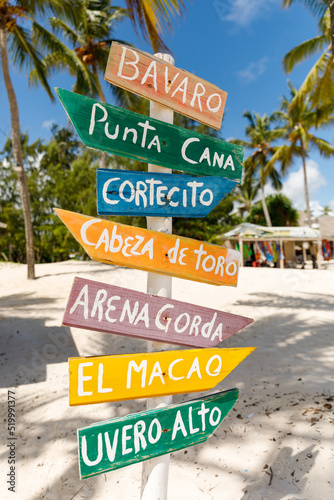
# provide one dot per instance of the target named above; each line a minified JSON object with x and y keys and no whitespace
{"x":293,"y":187}
{"x":241,"y":12}
{"x":253,"y":70}
{"x":316,"y":208}
{"x":48,"y":124}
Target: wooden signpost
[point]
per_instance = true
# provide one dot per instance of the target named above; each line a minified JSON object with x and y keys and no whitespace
{"x":167,"y":254}
{"x":118,"y":131}
{"x":104,"y":379}
{"x":112,"y":309}
{"x":122,"y":192}
{"x":119,"y":442}
{"x":155,"y":79}
{"x":109,"y":445}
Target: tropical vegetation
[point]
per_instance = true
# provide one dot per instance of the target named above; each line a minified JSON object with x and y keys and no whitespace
{"x":25,"y":53}
{"x":324,"y":10}
{"x":261,"y":136}
{"x":281,"y":210}
{"x":298,"y":117}
{"x":30,"y":45}
{"x":62,"y":173}
{"x":319,"y":82}
{"x":46,"y":36}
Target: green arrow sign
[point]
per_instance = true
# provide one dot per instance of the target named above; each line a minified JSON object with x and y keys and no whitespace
{"x":119,"y":442}
{"x":121,"y":132}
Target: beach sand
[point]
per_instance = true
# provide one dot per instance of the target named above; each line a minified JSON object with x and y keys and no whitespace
{"x":277,"y":443}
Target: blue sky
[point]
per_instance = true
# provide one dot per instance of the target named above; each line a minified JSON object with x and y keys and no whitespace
{"x":236,"y":44}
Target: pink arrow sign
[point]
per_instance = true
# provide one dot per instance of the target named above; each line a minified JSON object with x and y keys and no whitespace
{"x":112,"y":309}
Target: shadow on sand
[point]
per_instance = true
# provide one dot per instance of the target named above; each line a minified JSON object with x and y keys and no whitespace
{"x":27,"y":344}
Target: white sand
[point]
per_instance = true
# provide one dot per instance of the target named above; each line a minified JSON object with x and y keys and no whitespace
{"x":276,"y":444}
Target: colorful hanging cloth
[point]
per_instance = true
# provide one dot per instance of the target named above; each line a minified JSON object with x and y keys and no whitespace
{"x":274,"y":251}
{"x":280,"y":251}
{"x":326,"y":250}
{"x":259,"y":254}
{"x":247,"y":252}
{"x":268,"y":251}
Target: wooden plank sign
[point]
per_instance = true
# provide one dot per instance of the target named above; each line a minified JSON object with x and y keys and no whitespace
{"x":153,"y":78}
{"x":119,"y":442}
{"x":112,"y":309}
{"x":123,"y":192}
{"x":122,"y":132}
{"x":148,"y":250}
{"x":104,"y":379}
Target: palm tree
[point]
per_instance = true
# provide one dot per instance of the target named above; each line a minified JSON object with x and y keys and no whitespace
{"x":320,"y":78}
{"x":24,"y":52}
{"x":90,"y":33}
{"x":327,"y":210}
{"x":318,"y":8}
{"x":298,"y":117}
{"x":152,"y":16}
{"x":261,"y":135}
{"x":245,"y":194}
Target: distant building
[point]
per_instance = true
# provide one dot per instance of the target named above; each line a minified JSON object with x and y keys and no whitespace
{"x":326,"y":227}
{"x":283,"y":246}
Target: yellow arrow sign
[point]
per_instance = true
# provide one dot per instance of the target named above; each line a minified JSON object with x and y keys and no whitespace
{"x":152,"y":251}
{"x":131,"y":376}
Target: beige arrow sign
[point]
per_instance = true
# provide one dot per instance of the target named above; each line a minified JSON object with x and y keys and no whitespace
{"x":155,"y":79}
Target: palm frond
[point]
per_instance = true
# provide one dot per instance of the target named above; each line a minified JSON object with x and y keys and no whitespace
{"x":249,"y":116}
{"x":274,"y":176}
{"x":60,"y":25}
{"x":318,"y":116}
{"x":276,"y":133}
{"x":61,"y":8}
{"x":323,"y":88}
{"x":251,"y":164}
{"x":314,"y":76}
{"x":152,"y":16}
{"x":284,"y":155}
{"x":317,"y":7}
{"x":303,"y":51}
{"x":240,"y":142}
{"x":61,"y":57}
{"x":325,"y":148}
{"x":25,"y":54}
{"x":129,"y":100}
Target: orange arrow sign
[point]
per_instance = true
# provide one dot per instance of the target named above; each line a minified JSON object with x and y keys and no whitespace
{"x":131,"y":376}
{"x":152,"y":251}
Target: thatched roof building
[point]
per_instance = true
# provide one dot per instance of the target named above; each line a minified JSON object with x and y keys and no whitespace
{"x":326,"y":227}
{"x":289,"y":238}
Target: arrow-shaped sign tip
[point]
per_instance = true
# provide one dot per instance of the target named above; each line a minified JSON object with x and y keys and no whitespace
{"x":60,"y":213}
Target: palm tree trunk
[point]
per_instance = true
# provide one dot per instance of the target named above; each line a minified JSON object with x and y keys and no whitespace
{"x":103,"y":99}
{"x":16,"y":141}
{"x":264,"y":205}
{"x":331,"y":9}
{"x":307,"y":199}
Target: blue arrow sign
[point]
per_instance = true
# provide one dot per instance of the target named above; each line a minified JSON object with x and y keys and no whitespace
{"x":123,"y":192}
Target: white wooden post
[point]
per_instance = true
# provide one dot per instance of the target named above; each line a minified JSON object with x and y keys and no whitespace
{"x":241,"y":250}
{"x":155,"y":471}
